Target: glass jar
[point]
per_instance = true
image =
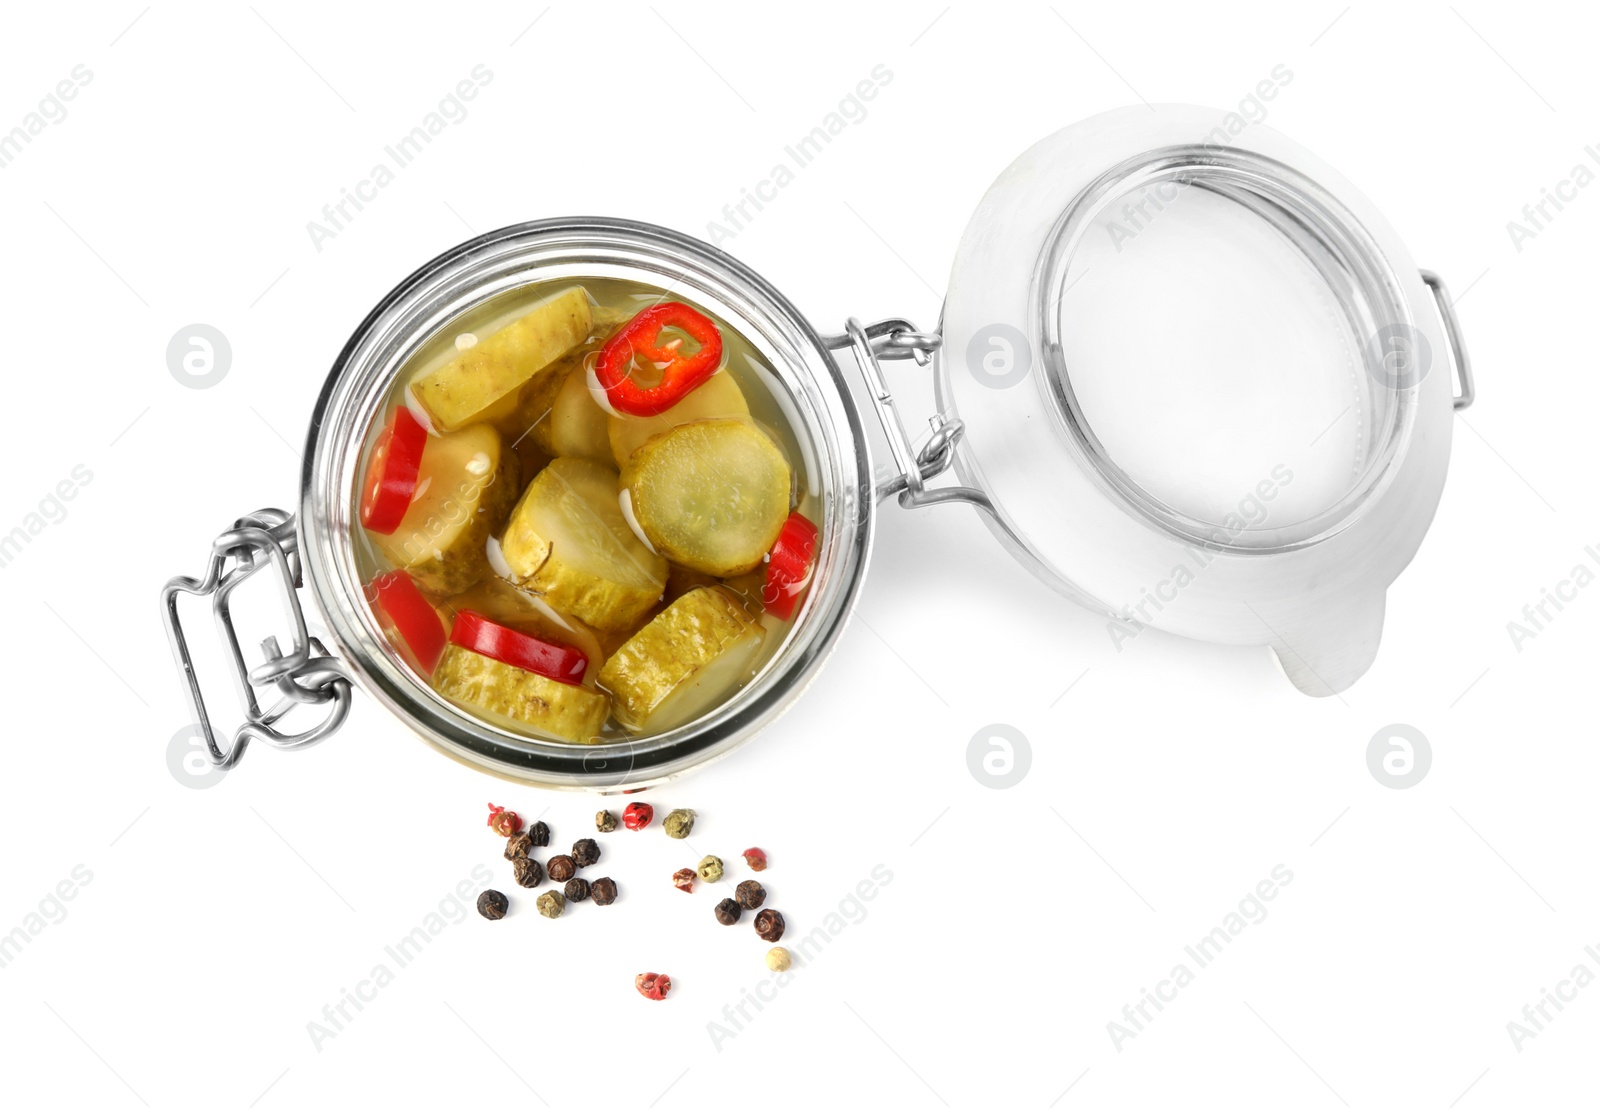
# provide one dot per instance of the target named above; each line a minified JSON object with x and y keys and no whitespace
{"x":1142,"y":327}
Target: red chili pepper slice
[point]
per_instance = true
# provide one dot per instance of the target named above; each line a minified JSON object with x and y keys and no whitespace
{"x":472,"y":631}
{"x":640,"y":339}
{"x":789,"y":565}
{"x":397,"y":597}
{"x":392,"y":472}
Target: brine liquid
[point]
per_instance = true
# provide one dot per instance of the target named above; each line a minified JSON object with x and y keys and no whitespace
{"x":770,"y":408}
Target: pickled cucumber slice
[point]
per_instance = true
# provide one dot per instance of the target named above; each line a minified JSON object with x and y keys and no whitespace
{"x":523,"y":611}
{"x":567,"y":712}
{"x":711,"y":495}
{"x":717,"y":397}
{"x":466,"y":486}
{"x":576,"y":425}
{"x":476,"y":384}
{"x":568,"y":541}
{"x":683,"y":663}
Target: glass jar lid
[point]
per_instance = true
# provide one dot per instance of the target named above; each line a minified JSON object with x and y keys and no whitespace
{"x":1192,"y":369}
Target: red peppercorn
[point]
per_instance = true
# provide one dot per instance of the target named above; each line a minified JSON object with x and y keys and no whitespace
{"x":755,"y":858}
{"x":637,"y":816}
{"x":684,"y":879}
{"x":504,"y":821}
{"x":652,"y":985}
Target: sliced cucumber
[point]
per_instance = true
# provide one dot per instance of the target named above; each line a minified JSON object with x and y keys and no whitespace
{"x":466,"y":485}
{"x":683,"y":663}
{"x":523,"y":611}
{"x":711,"y":495}
{"x":576,"y":425}
{"x":567,"y":712}
{"x":717,"y":397}
{"x":484,"y":381}
{"x":568,"y":540}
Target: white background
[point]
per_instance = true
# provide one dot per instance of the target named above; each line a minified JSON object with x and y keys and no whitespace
{"x":1164,"y":785}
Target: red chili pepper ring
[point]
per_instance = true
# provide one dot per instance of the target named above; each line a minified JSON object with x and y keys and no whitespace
{"x":640,"y":339}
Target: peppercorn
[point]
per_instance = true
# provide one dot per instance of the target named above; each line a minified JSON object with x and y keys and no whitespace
{"x":560,"y":868}
{"x":576,"y":889}
{"x":539,"y":832}
{"x":769,"y":925}
{"x":750,"y":894}
{"x":755,"y":858}
{"x":586,"y":852}
{"x":551,"y":904}
{"x":527,"y":872}
{"x":504,"y":821}
{"x":518,"y":846}
{"x":684,"y":879}
{"x":637,"y":816}
{"x":604,"y":821}
{"x":778,"y":959}
{"x":679,"y":823}
{"x":652,"y":985}
{"x":728,"y":911}
{"x":602,"y":891}
{"x":492,"y":905}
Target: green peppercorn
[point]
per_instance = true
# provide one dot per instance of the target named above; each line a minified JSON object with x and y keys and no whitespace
{"x":603,"y":891}
{"x":728,"y":911}
{"x":679,"y":823}
{"x":551,"y":903}
{"x":492,"y":904}
{"x":709,"y":869}
{"x":750,"y":894}
{"x":604,"y":821}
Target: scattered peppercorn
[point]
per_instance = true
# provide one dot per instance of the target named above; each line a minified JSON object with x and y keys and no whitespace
{"x":527,"y":872}
{"x":540,"y":833}
{"x":709,"y":869}
{"x":684,"y":879}
{"x":604,"y":821}
{"x":518,"y":846}
{"x":728,"y":911}
{"x":769,"y":925}
{"x":492,"y":905}
{"x":755,"y":858}
{"x":586,"y":852}
{"x":652,"y":985}
{"x":602,"y":891}
{"x":778,"y":959}
{"x":504,"y":821}
{"x":637,"y":816}
{"x":750,"y":894}
{"x":679,"y":823}
{"x":560,"y":868}
{"x":576,"y":889}
{"x":551,"y":904}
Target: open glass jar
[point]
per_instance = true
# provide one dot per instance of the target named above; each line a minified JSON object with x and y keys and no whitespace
{"x":1183,"y":372}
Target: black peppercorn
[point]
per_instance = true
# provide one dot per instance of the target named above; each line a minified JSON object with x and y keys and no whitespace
{"x":576,"y":889}
{"x":492,"y":904}
{"x":769,"y":925}
{"x":605,"y":821}
{"x":518,"y":846}
{"x":728,"y":911}
{"x":602,"y":891}
{"x":539,"y":832}
{"x":750,"y":894}
{"x":527,"y":872}
{"x":586,"y":852}
{"x":560,"y":868}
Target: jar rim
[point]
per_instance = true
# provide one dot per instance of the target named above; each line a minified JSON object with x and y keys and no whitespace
{"x":549,"y":250}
